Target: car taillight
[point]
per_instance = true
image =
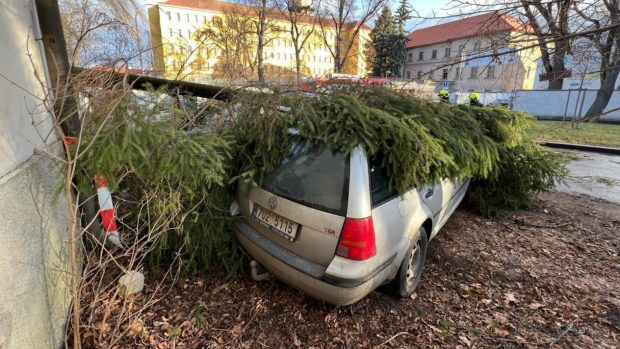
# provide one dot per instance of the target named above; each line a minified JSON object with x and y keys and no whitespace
{"x":357,"y":239}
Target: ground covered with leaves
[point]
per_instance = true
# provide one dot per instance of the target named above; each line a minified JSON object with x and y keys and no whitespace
{"x":542,"y":277}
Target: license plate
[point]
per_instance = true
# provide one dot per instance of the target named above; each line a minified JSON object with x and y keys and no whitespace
{"x":276,"y":223}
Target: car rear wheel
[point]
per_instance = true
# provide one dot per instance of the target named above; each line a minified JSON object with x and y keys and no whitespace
{"x":410,"y":271}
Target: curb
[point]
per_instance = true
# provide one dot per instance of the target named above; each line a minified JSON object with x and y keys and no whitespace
{"x":582,"y":147}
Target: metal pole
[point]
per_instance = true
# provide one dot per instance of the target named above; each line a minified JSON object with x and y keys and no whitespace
{"x":566,"y":108}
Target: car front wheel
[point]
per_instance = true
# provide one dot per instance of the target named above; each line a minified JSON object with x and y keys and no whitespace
{"x":410,"y":271}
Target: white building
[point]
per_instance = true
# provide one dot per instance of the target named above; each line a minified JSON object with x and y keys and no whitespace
{"x":481,"y":53}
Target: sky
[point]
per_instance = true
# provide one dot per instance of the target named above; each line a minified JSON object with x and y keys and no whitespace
{"x":428,"y":8}
{"x":425,"y":8}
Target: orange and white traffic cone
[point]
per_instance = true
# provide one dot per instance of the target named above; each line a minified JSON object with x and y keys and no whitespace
{"x":106,"y":209}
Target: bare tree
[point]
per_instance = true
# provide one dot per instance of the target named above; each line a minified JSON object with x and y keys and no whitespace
{"x":265,"y":30}
{"x":231,"y":38}
{"x":550,"y":20}
{"x":345,"y":18}
{"x":106,"y":32}
{"x":607,"y":43}
{"x":302,"y":27}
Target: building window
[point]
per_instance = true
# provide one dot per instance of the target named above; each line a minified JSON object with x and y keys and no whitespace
{"x":434,"y":54}
{"x":204,"y":19}
{"x":408,"y":74}
{"x":169,"y":16}
{"x":431,"y":75}
{"x":461,"y":48}
{"x":446,"y":53}
{"x":410,"y":57}
{"x":189,"y":34}
{"x":477,"y":47}
{"x":444,"y":74}
{"x":421,"y":56}
{"x":179,"y":16}
{"x":419,"y":75}
{"x":491,"y":72}
{"x":180,"y":33}
{"x":170,"y":32}
{"x":474,"y":73}
{"x":187,"y":16}
{"x":457,"y":76}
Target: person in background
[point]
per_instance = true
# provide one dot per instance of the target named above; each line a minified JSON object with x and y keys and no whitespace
{"x":444,"y":96}
{"x":474,"y":99}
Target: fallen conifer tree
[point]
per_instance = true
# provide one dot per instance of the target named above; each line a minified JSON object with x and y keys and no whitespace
{"x":184,"y":181}
{"x":419,"y":141}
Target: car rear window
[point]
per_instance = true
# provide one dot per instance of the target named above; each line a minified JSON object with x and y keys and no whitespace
{"x":312,"y":176}
{"x":380,"y":190}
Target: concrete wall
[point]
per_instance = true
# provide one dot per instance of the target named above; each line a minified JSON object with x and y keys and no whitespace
{"x":554,"y":104}
{"x":34,"y":268}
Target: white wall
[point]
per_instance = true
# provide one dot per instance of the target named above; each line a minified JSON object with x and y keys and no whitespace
{"x":34,"y":264}
{"x":19,"y":110}
{"x":557,"y":104}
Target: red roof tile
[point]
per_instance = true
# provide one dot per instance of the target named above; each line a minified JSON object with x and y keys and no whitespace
{"x":492,"y":22}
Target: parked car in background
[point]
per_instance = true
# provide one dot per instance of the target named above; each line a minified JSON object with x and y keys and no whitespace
{"x":329,"y":225}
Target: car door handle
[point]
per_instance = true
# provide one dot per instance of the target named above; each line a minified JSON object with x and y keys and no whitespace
{"x":429,"y":193}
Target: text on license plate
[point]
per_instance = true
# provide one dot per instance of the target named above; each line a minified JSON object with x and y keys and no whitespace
{"x":275,"y":223}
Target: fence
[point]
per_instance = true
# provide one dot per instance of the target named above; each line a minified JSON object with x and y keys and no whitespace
{"x":567,"y":104}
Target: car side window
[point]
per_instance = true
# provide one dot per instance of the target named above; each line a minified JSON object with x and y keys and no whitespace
{"x":379,"y":183}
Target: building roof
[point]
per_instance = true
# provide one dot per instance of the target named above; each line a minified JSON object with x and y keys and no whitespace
{"x":209,"y":5}
{"x":492,"y":22}
{"x":224,"y":6}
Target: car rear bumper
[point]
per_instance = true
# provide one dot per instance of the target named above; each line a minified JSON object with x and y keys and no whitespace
{"x":306,"y":275}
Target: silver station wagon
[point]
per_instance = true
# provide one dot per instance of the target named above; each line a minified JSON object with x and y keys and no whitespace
{"x":329,"y":225}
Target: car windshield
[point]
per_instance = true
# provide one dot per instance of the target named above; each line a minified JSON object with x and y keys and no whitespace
{"x":313,"y":176}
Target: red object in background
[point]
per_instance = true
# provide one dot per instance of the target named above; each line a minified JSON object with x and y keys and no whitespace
{"x":374,"y":81}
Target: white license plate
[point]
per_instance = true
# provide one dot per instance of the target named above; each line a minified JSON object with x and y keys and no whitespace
{"x":276,"y":223}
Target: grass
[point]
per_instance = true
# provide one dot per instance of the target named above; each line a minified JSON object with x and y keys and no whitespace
{"x":586,"y":133}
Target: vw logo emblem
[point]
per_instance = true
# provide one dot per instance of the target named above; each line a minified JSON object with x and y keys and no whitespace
{"x":273,"y":203}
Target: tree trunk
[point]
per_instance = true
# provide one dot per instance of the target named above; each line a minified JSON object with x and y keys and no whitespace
{"x":603,"y":95}
{"x":261,"y":42}
{"x":612,"y":70}
{"x":337,"y":66}
{"x":260,"y":60}
{"x":298,"y":67}
{"x":557,"y":62}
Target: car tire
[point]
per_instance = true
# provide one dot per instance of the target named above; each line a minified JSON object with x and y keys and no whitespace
{"x":410,"y":271}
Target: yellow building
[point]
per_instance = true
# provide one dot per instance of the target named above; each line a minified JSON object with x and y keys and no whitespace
{"x":210,"y":40}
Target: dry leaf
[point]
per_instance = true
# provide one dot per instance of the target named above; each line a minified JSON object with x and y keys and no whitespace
{"x":501,"y":318}
{"x":465,"y":341}
{"x":535,"y":306}
{"x":510,"y":298}
{"x":503,"y":333}
{"x":296,"y":341}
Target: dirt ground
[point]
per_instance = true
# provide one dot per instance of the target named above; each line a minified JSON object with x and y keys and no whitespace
{"x":544,"y":277}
